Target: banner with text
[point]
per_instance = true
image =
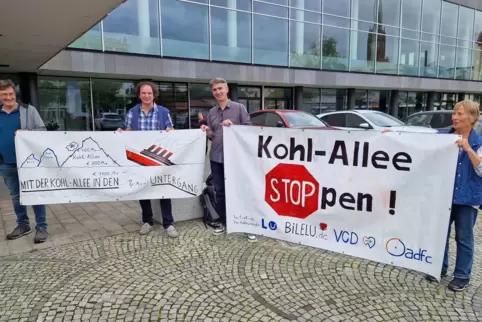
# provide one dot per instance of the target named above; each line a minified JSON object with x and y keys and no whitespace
{"x":63,"y":167}
{"x":383,"y":197}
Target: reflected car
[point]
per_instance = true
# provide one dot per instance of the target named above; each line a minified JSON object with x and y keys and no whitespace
{"x":439,"y":120}
{"x":369,"y":120}
{"x":109,"y":121}
{"x":288,"y":119}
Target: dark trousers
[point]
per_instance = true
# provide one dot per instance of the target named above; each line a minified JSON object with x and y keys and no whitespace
{"x":464,"y":218}
{"x":166,"y":210}
{"x":217,"y":171}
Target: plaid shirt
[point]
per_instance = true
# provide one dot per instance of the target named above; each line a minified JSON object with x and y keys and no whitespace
{"x":149,"y":122}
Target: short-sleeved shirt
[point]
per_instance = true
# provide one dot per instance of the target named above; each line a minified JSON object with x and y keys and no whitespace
{"x":149,"y":122}
{"x":9,"y":124}
{"x":235,"y":112}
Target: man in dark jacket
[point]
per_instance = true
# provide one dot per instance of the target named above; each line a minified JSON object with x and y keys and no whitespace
{"x":16,"y":117}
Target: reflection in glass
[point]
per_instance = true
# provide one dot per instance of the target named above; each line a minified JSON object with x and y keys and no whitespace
{"x":363,"y":51}
{"x":463,"y":63}
{"x":305,"y":43}
{"x":446,"y":62}
{"x":269,"y":50}
{"x":365,"y":10}
{"x":428,"y":59}
{"x":311,"y":100}
{"x":411,"y":18}
{"x":466,"y":24}
{"x":336,"y":44}
{"x":449,"y":23}
{"x":477,"y":62}
{"x":277,"y":98}
{"x":187,"y":38}
{"x":409,"y":52}
{"x":238,"y":4}
{"x":133,"y":27}
{"x":389,"y":12}
{"x":92,"y":39}
{"x":230,"y":35}
{"x":65,"y":103}
{"x":112,"y":99}
{"x":201,"y":100}
{"x":478,"y":27}
{"x":431,"y":16}
{"x":269,"y":9}
{"x":387,"y":54}
{"x":174,"y":97}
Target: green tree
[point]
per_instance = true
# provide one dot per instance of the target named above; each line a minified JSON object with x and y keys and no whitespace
{"x":311,"y":57}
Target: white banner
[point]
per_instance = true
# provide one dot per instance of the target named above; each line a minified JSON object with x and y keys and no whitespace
{"x":63,"y":167}
{"x":383,"y":197}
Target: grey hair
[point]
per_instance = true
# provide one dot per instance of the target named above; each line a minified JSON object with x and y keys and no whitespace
{"x":217,"y":80}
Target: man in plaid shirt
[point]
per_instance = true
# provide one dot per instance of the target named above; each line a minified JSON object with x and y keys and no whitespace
{"x":148,"y":116}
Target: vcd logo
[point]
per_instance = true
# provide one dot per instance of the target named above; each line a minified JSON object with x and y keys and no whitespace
{"x":271,"y":225}
{"x":397,"y":248}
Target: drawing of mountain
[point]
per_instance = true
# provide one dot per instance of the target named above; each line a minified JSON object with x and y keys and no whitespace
{"x":30,"y":162}
{"x":48,"y":159}
{"x":89,"y":154}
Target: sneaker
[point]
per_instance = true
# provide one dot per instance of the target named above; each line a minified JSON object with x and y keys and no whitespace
{"x":251,"y":238}
{"x":219,"y":230}
{"x":18,"y":232}
{"x":171,"y":232}
{"x":41,"y":235}
{"x":145,"y":229}
{"x":433,"y":279}
{"x":458,"y":284}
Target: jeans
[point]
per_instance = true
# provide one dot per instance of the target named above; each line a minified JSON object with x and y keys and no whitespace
{"x":10,"y":177}
{"x":217,"y":171}
{"x":464,"y":218}
{"x":166,"y":211}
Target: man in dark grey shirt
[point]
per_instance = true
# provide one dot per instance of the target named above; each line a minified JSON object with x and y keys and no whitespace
{"x":225,"y":113}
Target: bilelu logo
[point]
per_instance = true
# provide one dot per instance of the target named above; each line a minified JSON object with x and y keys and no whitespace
{"x":395,"y":247}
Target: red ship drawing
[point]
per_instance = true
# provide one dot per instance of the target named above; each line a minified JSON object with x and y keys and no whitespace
{"x":154,"y":156}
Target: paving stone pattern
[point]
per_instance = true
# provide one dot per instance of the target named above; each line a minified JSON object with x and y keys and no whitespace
{"x":96,"y":267}
{"x":201,"y":277}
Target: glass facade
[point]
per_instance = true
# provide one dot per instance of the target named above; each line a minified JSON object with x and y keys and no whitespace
{"x":429,"y":38}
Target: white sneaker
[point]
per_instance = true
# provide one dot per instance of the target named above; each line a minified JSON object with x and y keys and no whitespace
{"x":219,"y":231}
{"x":251,"y":238}
{"x":171,"y":232}
{"x":145,"y":229}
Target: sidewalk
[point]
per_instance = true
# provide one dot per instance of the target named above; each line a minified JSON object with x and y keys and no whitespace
{"x":70,"y":223}
{"x":96,"y":267}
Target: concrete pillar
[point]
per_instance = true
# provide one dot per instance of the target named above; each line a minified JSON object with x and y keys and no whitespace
{"x":430,"y":101}
{"x":143,"y":23}
{"x":298,"y":98}
{"x":29,"y":89}
{"x":233,"y":92}
{"x":394,"y":101}
{"x":351,"y":99}
{"x":232,"y":24}
{"x":340,"y":99}
{"x":300,"y":27}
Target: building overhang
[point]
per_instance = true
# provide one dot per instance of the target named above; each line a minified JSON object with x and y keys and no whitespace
{"x":32,"y":32}
{"x":121,"y":66}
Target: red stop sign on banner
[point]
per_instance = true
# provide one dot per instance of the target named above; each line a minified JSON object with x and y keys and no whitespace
{"x":292,"y":191}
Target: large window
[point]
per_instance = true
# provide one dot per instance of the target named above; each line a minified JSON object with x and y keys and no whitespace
{"x":201,"y":100}
{"x":429,"y":38}
{"x":133,"y":27}
{"x":174,"y":97}
{"x":111,"y":100}
{"x":250,"y":97}
{"x":230,"y":35}
{"x":269,"y":49}
{"x":185,"y":31}
{"x":278,"y":98}
{"x":65,"y":103}
{"x":317,"y":101}
{"x":92,"y":39}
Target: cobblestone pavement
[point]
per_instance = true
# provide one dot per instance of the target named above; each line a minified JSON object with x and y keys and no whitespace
{"x":201,"y":277}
